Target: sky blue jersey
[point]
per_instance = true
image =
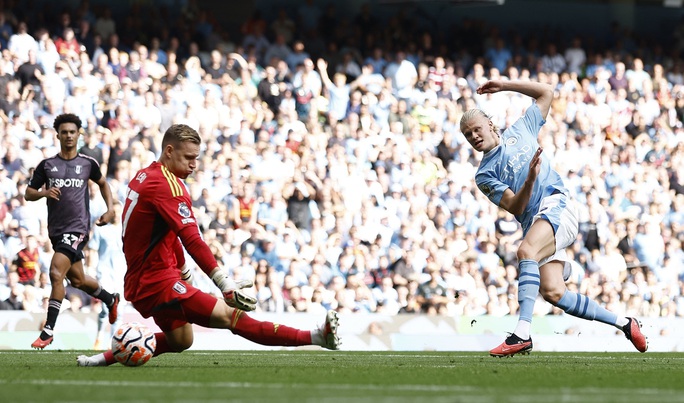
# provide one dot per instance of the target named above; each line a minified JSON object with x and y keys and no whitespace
{"x":507,"y":165}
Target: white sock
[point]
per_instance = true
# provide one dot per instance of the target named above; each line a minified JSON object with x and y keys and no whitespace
{"x":523,"y":329}
{"x":317,"y":338}
{"x":98,"y":360}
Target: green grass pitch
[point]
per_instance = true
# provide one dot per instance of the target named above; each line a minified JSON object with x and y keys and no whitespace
{"x":325,"y":376}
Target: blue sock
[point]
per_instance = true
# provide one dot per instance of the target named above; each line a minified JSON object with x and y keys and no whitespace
{"x":581,"y":306}
{"x":528,"y":287}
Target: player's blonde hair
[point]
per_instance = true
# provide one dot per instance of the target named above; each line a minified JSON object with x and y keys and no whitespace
{"x":180,"y":133}
{"x":472,"y":114}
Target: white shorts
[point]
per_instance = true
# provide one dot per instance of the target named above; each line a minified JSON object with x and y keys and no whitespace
{"x":562,"y":213}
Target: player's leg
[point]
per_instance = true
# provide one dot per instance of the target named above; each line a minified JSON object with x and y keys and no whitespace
{"x":90,"y":285}
{"x":101,"y":339}
{"x":269,"y":333}
{"x":104,"y":333}
{"x":554,"y":291}
{"x":59,"y":265}
{"x":538,"y":243}
{"x":194,"y":306}
{"x":176,"y":336}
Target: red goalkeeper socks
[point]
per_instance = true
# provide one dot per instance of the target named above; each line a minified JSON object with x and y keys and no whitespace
{"x":268,"y":333}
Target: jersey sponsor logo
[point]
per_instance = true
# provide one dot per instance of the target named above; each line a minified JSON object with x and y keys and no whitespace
{"x":517,"y":162}
{"x":187,"y":220}
{"x":180,"y":288}
{"x":184,"y":210}
{"x":65,"y":183}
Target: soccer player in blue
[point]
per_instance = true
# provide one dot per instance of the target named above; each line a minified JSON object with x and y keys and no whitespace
{"x":516,"y":176}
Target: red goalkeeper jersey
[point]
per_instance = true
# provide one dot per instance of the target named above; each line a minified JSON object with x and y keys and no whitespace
{"x":157,"y":212}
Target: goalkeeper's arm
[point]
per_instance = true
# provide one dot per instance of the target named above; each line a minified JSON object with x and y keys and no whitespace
{"x":201,"y":254}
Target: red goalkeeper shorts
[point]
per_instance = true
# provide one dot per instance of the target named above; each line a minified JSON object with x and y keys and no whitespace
{"x":175,"y":304}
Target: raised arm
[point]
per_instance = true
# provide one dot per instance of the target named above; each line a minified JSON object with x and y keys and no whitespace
{"x":323,"y":71}
{"x":542,"y":93}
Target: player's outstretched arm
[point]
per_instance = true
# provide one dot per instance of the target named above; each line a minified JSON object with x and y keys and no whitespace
{"x":202,"y":255}
{"x":542,"y":93}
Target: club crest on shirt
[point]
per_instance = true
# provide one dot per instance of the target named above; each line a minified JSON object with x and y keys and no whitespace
{"x":511,"y":140}
{"x":180,"y":288}
{"x":183,"y":210}
{"x":78,"y":169}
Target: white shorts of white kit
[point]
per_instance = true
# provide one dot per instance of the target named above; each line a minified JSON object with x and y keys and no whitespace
{"x":562,"y":213}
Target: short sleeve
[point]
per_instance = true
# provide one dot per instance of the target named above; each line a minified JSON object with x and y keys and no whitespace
{"x":38,"y":178}
{"x":95,"y":172}
{"x":491,"y":187}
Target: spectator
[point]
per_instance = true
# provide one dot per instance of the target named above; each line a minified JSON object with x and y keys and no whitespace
{"x":637,"y":76}
{"x":277,"y":51}
{"x":499,"y":55}
{"x":403,"y":75}
{"x":6,"y":30}
{"x":27,"y":262}
{"x":105,"y":25}
{"x":67,"y":44}
{"x":7,"y":287}
{"x":30,"y":75}
{"x":14,"y":301}
{"x":338,"y":93}
{"x":618,"y":80}
{"x":283,"y":25}
{"x":21,"y":43}
{"x":297,"y":56}
{"x":552,"y":61}
{"x":575,"y":57}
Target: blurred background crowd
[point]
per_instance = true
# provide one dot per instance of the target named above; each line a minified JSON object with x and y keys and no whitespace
{"x":333,"y":170}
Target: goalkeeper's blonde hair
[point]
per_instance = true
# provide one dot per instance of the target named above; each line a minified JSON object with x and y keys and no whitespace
{"x":180,"y":133}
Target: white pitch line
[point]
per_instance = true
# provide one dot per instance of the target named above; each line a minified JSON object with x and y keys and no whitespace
{"x":238,"y":385}
{"x":445,"y":354}
{"x":590,"y":391}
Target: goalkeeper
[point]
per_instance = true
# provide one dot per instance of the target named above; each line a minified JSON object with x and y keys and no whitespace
{"x":157,"y":218}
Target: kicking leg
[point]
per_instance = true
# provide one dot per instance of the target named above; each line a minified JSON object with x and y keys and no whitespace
{"x":174,"y":341}
{"x":274,"y":334}
{"x":553,"y":290}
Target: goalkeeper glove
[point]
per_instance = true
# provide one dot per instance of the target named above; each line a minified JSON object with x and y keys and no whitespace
{"x":231,"y":291}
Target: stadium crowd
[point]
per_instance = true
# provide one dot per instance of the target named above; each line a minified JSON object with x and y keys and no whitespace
{"x":333,"y":171}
